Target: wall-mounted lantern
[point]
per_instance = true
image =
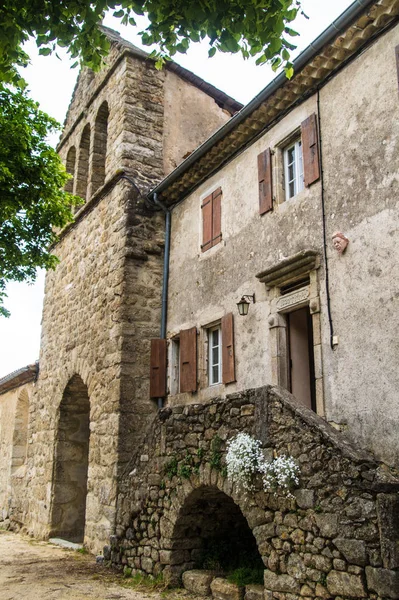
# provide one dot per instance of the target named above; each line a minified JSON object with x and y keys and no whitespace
{"x":243,"y":304}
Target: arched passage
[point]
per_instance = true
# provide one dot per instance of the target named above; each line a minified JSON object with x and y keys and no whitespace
{"x":211,"y":532}
{"x":83,"y":163}
{"x":20,"y":436}
{"x":70,"y":168}
{"x":99,"y":148}
{"x":71,"y":463}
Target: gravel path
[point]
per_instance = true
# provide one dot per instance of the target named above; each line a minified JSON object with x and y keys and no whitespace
{"x":34,"y":570}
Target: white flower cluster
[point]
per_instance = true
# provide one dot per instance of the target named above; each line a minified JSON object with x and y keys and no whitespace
{"x":245,"y":459}
{"x":280,"y":474}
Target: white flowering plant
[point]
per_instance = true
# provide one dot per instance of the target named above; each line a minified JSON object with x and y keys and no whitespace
{"x":280,"y":474}
{"x":245,"y":460}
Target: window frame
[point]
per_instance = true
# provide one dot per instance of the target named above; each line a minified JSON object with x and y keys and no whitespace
{"x":213,"y":200}
{"x":299,"y":177}
{"x":174,"y":361}
{"x":211,"y":362}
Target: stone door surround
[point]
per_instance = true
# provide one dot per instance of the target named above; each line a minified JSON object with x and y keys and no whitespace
{"x":294,"y":269}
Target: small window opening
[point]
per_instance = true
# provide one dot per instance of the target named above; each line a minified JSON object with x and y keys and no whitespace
{"x":99,"y":147}
{"x":293,"y":169}
{"x":70,"y":168}
{"x":215,"y":355}
{"x":83,"y":164}
{"x":175,"y":366}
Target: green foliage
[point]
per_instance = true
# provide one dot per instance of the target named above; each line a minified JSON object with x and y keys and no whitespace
{"x":33,"y":201}
{"x":145,"y":582}
{"x":254,"y":28}
{"x":171,"y":467}
{"x":216,"y":455}
{"x":245,"y":576}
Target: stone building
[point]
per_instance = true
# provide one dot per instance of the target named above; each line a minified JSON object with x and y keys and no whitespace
{"x":194,"y":205}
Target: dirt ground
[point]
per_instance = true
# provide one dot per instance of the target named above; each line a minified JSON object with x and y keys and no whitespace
{"x":34,"y":570}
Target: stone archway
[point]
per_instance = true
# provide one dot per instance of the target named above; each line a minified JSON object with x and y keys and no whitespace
{"x":71,"y":463}
{"x":20,"y":436}
{"x":211,"y":532}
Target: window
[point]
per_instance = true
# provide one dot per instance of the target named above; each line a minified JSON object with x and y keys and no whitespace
{"x":211,"y":220}
{"x":175,"y":366}
{"x":293,"y":169}
{"x":215,"y":355}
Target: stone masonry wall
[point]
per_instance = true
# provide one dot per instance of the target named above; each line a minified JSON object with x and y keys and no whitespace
{"x":338,"y":537}
{"x":14,"y":419}
{"x":102,"y":302}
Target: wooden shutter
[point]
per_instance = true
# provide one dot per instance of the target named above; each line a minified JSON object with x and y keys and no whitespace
{"x":310,"y":149}
{"x":228,"y":368}
{"x":211,"y":220}
{"x":206,"y":223}
{"x":265,"y":181}
{"x":158,"y":369}
{"x":216,"y":216}
{"x":188,"y":360}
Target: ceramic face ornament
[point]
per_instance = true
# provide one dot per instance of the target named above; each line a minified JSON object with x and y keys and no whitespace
{"x":340,"y":242}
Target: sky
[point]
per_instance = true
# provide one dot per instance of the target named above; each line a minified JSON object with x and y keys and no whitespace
{"x":51,"y":82}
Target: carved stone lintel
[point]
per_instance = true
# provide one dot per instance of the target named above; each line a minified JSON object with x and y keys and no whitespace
{"x":290,"y":269}
{"x":291,"y":300}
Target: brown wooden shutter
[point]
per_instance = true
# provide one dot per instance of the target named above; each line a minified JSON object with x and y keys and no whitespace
{"x":310,"y":149}
{"x":265,"y":181}
{"x":158,"y":369}
{"x":228,"y":368}
{"x":216,"y":216}
{"x":206,"y":223}
{"x":188,"y":360}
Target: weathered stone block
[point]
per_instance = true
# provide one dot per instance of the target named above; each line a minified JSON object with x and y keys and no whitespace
{"x":254,"y":592}
{"x":281,"y":583}
{"x":264,"y":532}
{"x":304,"y":498}
{"x":383,"y":581}
{"x":223,"y":590}
{"x":327,"y":524}
{"x":340,"y":583}
{"x":353,"y":550}
{"x":198,"y":582}
{"x":388,"y":522}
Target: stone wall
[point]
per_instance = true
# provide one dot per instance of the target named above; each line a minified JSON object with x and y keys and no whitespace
{"x":102,"y":302}
{"x":14,"y":423}
{"x":337,"y":538}
{"x":360,"y":189}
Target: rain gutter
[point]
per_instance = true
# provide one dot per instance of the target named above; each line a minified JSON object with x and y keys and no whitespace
{"x":328,"y":35}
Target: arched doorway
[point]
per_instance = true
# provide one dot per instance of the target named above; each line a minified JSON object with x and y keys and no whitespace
{"x":20,"y":436}
{"x":71,"y":463}
{"x":211,"y":532}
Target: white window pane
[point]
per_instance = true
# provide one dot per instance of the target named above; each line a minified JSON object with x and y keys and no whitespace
{"x":215,"y":374}
{"x":214,"y":356}
{"x":293,"y":169}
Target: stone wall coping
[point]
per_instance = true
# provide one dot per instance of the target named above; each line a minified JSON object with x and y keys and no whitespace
{"x":386,"y":480}
{"x":19,"y":377}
